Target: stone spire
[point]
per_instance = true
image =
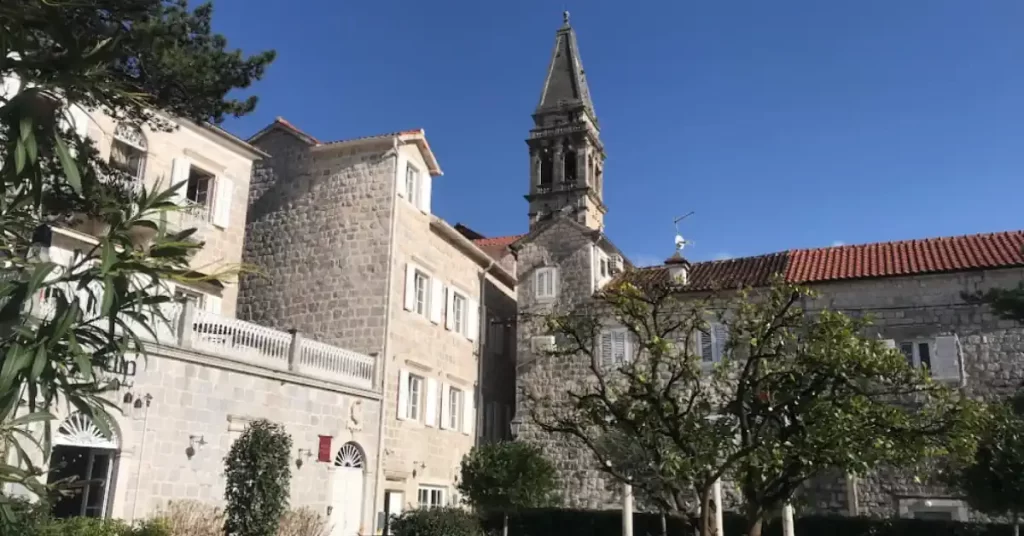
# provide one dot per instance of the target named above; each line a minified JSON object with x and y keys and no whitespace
{"x":566,"y":155}
{"x":565,"y":86}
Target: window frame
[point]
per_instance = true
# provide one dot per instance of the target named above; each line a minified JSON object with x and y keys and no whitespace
{"x":459,"y":308}
{"x":198,"y":298}
{"x":140,"y":146}
{"x":421,"y":307}
{"x":915,"y":351}
{"x":539,"y":291}
{"x":415,"y":397}
{"x":455,"y":403}
{"x":431,"y":491}
{"x":412,"y":183}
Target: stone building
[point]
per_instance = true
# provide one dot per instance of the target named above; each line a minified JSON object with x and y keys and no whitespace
{"x":207,"y":374}
{"x":351,"y":253}
{"x":913,"y":288}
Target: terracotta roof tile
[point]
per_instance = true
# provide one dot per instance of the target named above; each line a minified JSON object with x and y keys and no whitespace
{"x":885,"y":259}
{"x":497,"y":246}
{"x":908,"y":257}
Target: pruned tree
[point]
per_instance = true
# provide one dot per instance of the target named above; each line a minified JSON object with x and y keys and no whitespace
{"x":506,"y":477}
{"x":993,"y":480}
{"x":765,"y":416}
{"x":257,"y":473}
{"x":66,"y":327}
{"x":812,"y":394}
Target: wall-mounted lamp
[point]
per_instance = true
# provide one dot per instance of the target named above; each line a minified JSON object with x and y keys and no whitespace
{"x":128,"y":398}
{"x":515,"y":426}
{"x":422,"y":465}
{"x":298,"y":459}
{"x":194,"y":440}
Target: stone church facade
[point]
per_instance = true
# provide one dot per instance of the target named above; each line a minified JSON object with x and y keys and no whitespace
{"x":913,"y":289}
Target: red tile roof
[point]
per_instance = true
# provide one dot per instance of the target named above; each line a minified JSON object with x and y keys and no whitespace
{"x":497,"y":246}
{"x":930,"y":255}
{"x":886,"y":259}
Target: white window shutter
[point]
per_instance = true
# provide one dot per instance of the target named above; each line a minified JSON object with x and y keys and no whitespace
{"x":410,"y":287}
{"x":473,"y":314}
{"x":213,"y":304}
{"x":707,"y":349}
{"x":619,"y":347}
{"x":180,"y":169}
{"x":606,"y":349}
{"x":424,"y":201}
{"x":431,"y":406}
{"x":403,"y":394}
{"x":436,"y":300}
{"x":468,"y":412}
{"x":79,"y":120}
{"x":946,"y":363}
{"x":401,"y":182}
{"x":449,"y":317}
{"x":889,"y":343}
{"x":222,"y":204}
{"x":721,"y":336}
{"x":445,"y":406}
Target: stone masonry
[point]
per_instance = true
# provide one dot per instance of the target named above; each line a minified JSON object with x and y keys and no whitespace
{"x":318,"y":231}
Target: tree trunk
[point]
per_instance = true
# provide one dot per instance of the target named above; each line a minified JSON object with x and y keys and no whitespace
{"x":504,"y":525}
{"x":1016,"y":526}
{"x":664,"y":525}
{"x":707,"y":519}
{"x":754,"y":522}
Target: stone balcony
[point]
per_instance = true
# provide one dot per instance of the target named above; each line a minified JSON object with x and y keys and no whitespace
{"x":191,"y":329}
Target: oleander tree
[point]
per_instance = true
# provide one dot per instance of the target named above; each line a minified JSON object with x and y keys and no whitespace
{"x":65,"y":325}
{"x":258,"y":476}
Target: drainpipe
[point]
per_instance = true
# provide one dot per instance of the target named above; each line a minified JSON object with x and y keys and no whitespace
{"x":482,"y":326}
{"x":142,"y":452}
{"x":382,"y":361}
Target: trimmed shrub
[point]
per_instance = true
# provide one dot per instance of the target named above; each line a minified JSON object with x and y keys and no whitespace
{"x":89,"y":526}
{"x":448,"y":521}
{"x":564,"y":522}
{"x":258,"y":472}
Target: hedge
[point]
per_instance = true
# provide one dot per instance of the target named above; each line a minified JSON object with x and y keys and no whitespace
{"x":562,"y":522}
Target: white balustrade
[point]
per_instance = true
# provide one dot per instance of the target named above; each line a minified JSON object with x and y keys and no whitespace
{"x":240,"y":340}
{"x":319,"y":359}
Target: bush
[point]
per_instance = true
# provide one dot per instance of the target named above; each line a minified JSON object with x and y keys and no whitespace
{"x":565,"y":522}
{"x":303,"y":522}
{"x":89,"y":526}
{"x":191,"y":518}
{"x":448,"y":521}
{"x":258,"y":471}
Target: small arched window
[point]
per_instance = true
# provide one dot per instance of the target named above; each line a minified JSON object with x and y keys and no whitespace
{"x":569,"y":163}
{"x":128,"y":150}
{"x":547,"y":168}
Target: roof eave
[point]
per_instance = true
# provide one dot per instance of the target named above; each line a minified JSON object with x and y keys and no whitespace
{"x":483,"y":259}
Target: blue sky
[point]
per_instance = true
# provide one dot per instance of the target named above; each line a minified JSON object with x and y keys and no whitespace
{"x":784,"y":124}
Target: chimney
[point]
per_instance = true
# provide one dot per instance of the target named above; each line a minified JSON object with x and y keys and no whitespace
{"x":678,"y":269}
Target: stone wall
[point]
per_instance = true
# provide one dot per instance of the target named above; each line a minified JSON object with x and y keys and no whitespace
{"x":912,"y":307}
{"x":318,"y":230}
{"x":214,"y":152}
{"x":566,"y":246}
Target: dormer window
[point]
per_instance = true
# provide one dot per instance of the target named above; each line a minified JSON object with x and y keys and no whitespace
{"x":412,"y":182}
{"x":546,"y":283}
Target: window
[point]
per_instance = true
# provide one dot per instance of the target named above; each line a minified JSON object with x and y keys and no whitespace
{"x":128,"y":151}
{"x":412,"y":183}
{"x":926,"y":508}
{"x":431,"y":496}
{"x":616,"y":347}
{"x":421,"y":285}
{"x":713,"y":342}
{"x":199,"y":193}
{"x":546,"y":283}
{"x":415,"y":389}
{"x":459,"y":313}
{"x":455,"y":409}
{"x":918,"y":353}
{"x":195,"y":298}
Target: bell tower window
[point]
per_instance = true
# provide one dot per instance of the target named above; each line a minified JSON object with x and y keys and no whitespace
{"x":547,"y":168}
{"x":569,"y":159}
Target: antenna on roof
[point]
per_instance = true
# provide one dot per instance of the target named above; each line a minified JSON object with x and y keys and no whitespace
{"x":680,"y":241}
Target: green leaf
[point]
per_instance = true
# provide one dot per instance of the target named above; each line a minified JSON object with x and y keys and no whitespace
{"x":19,"y":156}
{"x":71,"y":172}
{"x":31,"y":418}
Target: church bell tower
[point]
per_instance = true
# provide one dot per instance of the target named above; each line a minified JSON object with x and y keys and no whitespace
{"x":566,"y":155}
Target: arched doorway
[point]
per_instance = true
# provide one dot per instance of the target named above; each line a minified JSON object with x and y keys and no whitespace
{"x":347,"y":490}
{"x":83,"y":451}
